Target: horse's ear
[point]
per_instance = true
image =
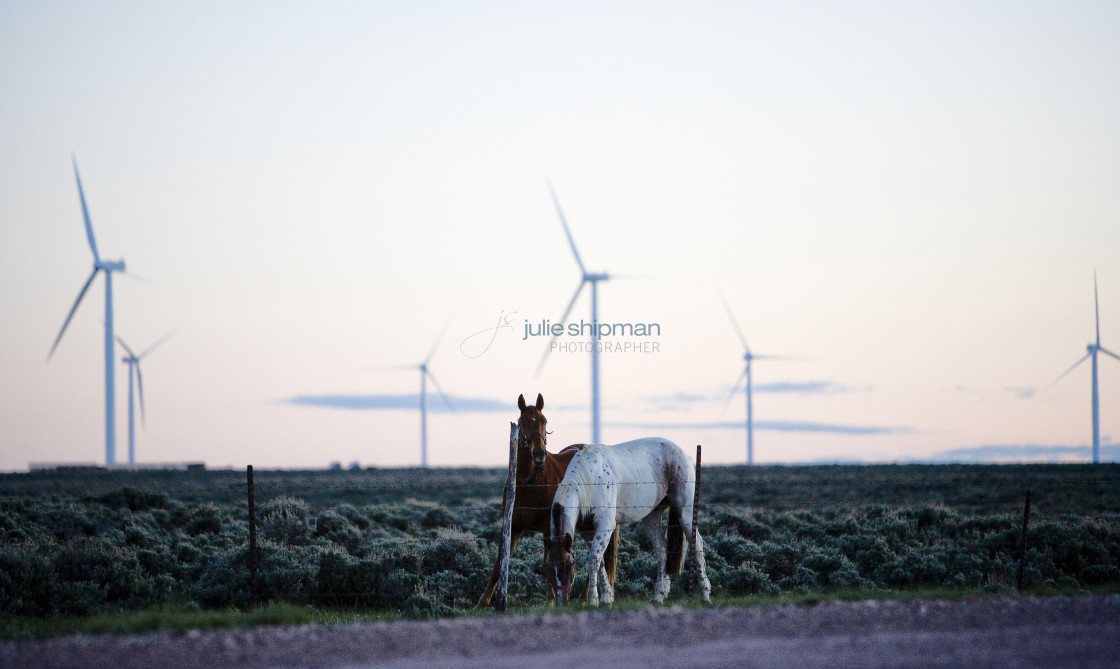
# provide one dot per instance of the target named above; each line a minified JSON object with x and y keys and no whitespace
{"x":567,"y":542}
{"x":540,"y":402}
{"x":521,"y":402}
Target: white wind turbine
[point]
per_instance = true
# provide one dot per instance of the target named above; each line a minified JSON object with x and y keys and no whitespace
{"x":747,"y":358}
{"x":1093,"y":349}
{"x":425,"y":375}
{"x":586,"y":278}
{"x":108,"y":267}
{"x":133,"y":362}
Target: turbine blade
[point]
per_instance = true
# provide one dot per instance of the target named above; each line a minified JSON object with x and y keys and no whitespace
{"x":126,"y":348}
{"x":734,"y":388}
{"x":440,"y":390}
{"x":85,"y":213}
{"x":730,"y":315}
{"x":1108,"y":352}
{"x":71,"y":314}
{"x":161,"y":342}
{"x":1073,"y":367}
{"x":567,"y":231}
{"x":140,"y":390}
{"x":1097,"y":308}
{"x":435,"y":345}
{"x":563,"y":319}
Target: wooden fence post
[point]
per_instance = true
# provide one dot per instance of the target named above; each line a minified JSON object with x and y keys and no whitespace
{"x":500,"y":601}
{"x":694,"y":566}
{"x":252,"y":540}
{"x":1023,"y":543}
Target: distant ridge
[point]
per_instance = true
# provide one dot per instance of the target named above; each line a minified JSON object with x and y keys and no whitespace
{"x":156,"y":466}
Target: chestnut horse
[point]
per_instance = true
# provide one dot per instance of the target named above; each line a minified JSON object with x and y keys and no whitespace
{"x":538,"y":474}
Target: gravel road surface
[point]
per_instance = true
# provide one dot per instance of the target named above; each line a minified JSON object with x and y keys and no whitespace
{"x":1011,"y":632}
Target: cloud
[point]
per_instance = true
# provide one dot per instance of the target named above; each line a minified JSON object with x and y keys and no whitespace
{"x":675,"y":402}
{"x":1025,"y":453}
{"x":436,"y":403}
{"x":677,"y":397}
{"x":803,"y":387}
{"x":773,"y":426}
{"x":685,"y":401}
{"x":1017,"y":392}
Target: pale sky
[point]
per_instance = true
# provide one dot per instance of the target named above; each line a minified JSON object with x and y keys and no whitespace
{"x":907,"y":200}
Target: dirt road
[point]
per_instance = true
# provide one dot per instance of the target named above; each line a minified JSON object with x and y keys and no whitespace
{"x":1059,"y":632}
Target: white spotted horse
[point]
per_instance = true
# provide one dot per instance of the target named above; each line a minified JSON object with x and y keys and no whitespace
{"x":609,"y":485}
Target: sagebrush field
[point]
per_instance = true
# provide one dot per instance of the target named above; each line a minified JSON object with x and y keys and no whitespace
{"x":422,"y":542}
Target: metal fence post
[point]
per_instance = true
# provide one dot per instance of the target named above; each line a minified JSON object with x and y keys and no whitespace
{"x":1023,"y":543}
{"x":694,"y":568}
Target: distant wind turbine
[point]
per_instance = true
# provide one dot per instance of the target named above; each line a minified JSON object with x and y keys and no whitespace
{"x":133,"y":362}
{"x":425,"y":375}
{"x":108,"y":267}
{"x":586,"y":278}
{"x":747,"y":358}
{"x":1093,"y":349}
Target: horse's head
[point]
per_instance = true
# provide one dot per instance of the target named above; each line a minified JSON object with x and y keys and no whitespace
{"x":532,"y":429}
{"x":560,"y":559}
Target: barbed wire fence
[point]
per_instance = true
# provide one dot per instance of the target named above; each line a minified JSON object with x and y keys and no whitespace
{"x":999,"y":500}
{"x":1046,"y":490}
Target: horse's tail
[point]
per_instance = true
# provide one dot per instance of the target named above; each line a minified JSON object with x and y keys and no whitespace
{"x":610,"y":557}
{"x":674,"y":560}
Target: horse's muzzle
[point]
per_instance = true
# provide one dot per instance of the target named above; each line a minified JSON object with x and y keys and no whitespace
{"x":539,"y":455}
{"x":563,"y":594}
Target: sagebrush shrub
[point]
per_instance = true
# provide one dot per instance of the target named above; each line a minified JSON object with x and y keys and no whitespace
{"x":27,"y":582}
{"x":126,"y":547}
{"x":285,"y":520}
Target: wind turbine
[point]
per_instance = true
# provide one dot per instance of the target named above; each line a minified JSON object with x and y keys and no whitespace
{"x":1093,"y":349}
{"x":425,"y":375}
{"x":586,"y":278}
{"x":747,"y":358}
{"x":133,"y":362}
{"x":108,"y":267}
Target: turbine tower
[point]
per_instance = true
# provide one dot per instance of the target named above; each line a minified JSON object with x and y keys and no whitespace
{"x":425,"y":375}
{"x":586,"y":278}
{"x":133,"y":362}
{"x":748,"y":357}
{"x":1093,"y":348}
{"x":108,"y":267}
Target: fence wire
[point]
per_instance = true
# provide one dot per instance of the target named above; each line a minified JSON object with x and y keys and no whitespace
{"x":757,"y":494}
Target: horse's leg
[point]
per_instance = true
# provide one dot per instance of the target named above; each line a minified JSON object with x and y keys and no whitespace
{"x":652,"y":525}
{"x":495,"y":573}
{"x":550,"y":595}
{"x":697,"y":549}
{"x":588,"y":537}
{"x":608,"y":567}
{"x":607,"y":597}
{"x":599,"y":545}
